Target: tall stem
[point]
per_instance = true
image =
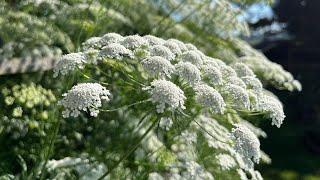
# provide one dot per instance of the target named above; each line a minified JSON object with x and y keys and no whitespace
{"x":130,"y":151}
{"x":53,"y":138}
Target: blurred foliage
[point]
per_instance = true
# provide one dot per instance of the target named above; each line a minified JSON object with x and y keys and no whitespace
{"x":25,"y":120}
{"x":40,"y":27}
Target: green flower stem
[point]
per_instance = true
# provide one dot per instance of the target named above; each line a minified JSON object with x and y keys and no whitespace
{"x":82,"y":25}
{"x":130,"y":151}
{"x":126,"y":106}
{"x":210,"y":134}
{"x":86,"y":76}
{"x":108,"y":75}
{"x":202,"y":127}
{"x":56,"y":130}
{"x":129,"y":76}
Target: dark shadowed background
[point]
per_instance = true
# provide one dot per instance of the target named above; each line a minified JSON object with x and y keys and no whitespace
{"x":295,"y":149}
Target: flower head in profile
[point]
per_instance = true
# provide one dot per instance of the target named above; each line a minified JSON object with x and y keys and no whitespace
{"x":84,"y":97}
{"x":242,"y":70}
{"x":235,"y":81}
{"x":134,"y":41}
{"x":110,"y":38}
{"x":152,"y":40}
{"x":165,"y":93}
{"x":246,"y":143}
{"x":92,"y":43}
{"x":69,"y":62}
{"x":182,"y":46}
{"x":252,"y":83}
{"x":190,"y":46}
{"x":273,"y":108}
{"x":174,"y":47}
{"x":208,"y":97}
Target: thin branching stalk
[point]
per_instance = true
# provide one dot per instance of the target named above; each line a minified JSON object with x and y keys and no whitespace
{"x":130,"y":151}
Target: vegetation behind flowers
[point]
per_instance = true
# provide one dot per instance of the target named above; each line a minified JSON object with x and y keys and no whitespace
{"x":158,"y":108}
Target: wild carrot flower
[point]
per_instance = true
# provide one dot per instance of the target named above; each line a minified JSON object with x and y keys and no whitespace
{"x":69,"y":62}
{"x":188,"y":72}
{"x":84,"y":97}
{"x":210,"y":98}
{"x":246,"y":143}
{"x":158,"y":66}
{"x":165,"y":93}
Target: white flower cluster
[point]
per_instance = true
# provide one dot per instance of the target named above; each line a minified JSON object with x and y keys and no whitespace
{"x":264,"y":68}
{"x":110,"y":38}
{"x":179,"y":72}
{"x":189,"y":72}
{"x":242,"y":70}
{"x":187,"y":137}
{"x":209,"y":97}
{"x":152,"y":40}
{"x":233,"y":153}
{"x":84,"y":97}
{"x":238,"y":95}
{"x":192,"y":57}
{"x":252,"y":83}
{"x":92,"y":43}
{"x":165,"y":92}
{"x":213,"y":74}
{"x":174,"y":47}
{"x":69,"y":62}
{"x":273,"y":108}
{"x":227,"y":72}
{"x":181,"y":45}
{"x":133,"y":41}
{"x":234,"y":80}
{"x":162,"y":51}
{"x":226,"y":161}
{"x":158,"y":66}
{"x":114,"y":51}
{"x":256,"y":130}
{"x":246,"y":143}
